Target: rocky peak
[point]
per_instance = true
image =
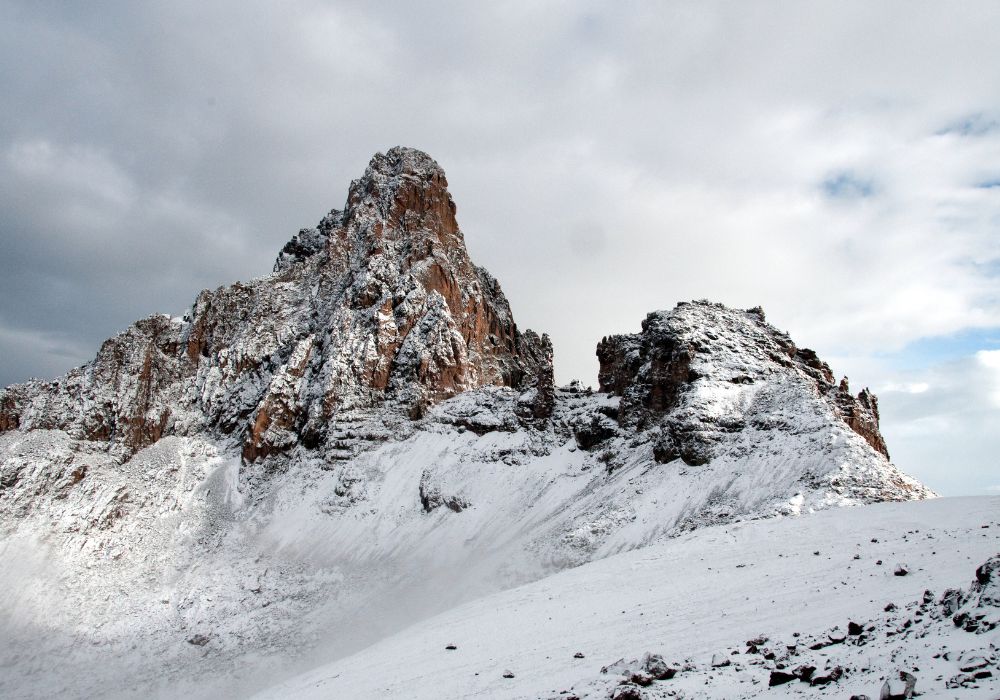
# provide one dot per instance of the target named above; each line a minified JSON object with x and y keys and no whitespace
{"x":378,"y":305}
{"x":697,"y":372}
{"x":408,"y":190}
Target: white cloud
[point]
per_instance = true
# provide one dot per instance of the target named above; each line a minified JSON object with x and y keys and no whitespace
{"x":939,"y":419}
{"x":990,"y":360}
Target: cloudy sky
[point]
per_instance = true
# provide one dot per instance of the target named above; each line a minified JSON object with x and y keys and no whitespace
{"x":837,"y":163}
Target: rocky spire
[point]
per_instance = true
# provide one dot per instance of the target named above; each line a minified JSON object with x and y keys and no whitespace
{"x":378,"y":305}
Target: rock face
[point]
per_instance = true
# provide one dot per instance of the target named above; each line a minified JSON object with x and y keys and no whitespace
{"x":700,"y":372}
{"x":378,"y":305}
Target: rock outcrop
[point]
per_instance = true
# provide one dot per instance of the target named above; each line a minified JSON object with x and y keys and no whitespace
{"x":698,"y":373}
{"x":379,"y":305}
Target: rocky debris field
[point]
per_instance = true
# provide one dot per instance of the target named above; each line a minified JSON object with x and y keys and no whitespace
{"x":927,"y":647}
{"x":804,"y":607}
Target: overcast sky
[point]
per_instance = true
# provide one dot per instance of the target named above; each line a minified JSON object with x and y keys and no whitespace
{"x":837,"y":163}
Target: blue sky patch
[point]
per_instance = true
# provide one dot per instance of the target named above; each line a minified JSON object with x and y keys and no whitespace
{"x":848,"y":185}
{"x":927,"y":352}
{"x":978,"y":124}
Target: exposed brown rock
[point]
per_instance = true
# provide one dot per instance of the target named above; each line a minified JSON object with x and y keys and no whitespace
{"x":861,"y":413}
{"x":10,"y":409}
{"x":378,"y":305}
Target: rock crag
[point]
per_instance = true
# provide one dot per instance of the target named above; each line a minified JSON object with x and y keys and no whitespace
{"x":697,"y":371}
{"x":380,"y":304}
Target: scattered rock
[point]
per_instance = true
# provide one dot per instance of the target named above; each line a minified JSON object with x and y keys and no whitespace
{"x":910,"y":684}
{"x":901,"y":570}
{"x":951,"y":601}
{"x":804,"y":672}
{"x":508,"y":674}
{"x":655,"y":666}
{"x":719,"y":660}
{"x":780,"y":678}
{"x":641,"y":679}
{"x":431,"y":496}
{"x":627,"y":692}
{"x":974,"y":663}
{"x":578,"y":655}
{"x":614,"y":666}
{"x":198,"y":640}
{"x":832,"y":676}
{"x":854,"y":629}
{"x":451,"y":647}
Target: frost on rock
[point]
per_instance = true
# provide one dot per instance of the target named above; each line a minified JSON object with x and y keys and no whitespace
{"x":716,"y":384}
{"x":378,"y":305}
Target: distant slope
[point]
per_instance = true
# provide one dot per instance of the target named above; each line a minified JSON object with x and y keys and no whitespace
{"x":702,"y":595}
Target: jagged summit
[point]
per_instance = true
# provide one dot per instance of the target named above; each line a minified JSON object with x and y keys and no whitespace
{"x":379,"y":303}
{"x":404,"y":180}
{"x":403,"y":194}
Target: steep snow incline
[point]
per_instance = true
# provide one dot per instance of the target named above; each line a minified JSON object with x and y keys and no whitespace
{"x":788,"y":580}
{"x":194,"y":572}
{"x":182,"y":566}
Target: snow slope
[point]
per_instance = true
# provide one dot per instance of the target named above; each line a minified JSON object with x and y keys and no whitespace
{"x":701,"y":595}
{"x":188,"y":572}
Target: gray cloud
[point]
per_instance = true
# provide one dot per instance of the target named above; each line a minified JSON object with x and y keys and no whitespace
{"x":607,"y":160}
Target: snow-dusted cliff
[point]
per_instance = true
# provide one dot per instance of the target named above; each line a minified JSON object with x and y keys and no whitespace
{"x":379,"y":305}
{"x":307,"y":462}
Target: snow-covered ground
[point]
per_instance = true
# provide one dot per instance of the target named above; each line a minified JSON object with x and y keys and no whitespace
{"x":182,"y":572}
{"x":786,"y":581}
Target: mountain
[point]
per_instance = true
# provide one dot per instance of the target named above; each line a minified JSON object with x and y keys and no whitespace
{"x":378,"y":305}
{"x":306,"y":463}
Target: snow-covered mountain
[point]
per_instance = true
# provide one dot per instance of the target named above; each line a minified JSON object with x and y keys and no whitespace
{"x":306,"y":463}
